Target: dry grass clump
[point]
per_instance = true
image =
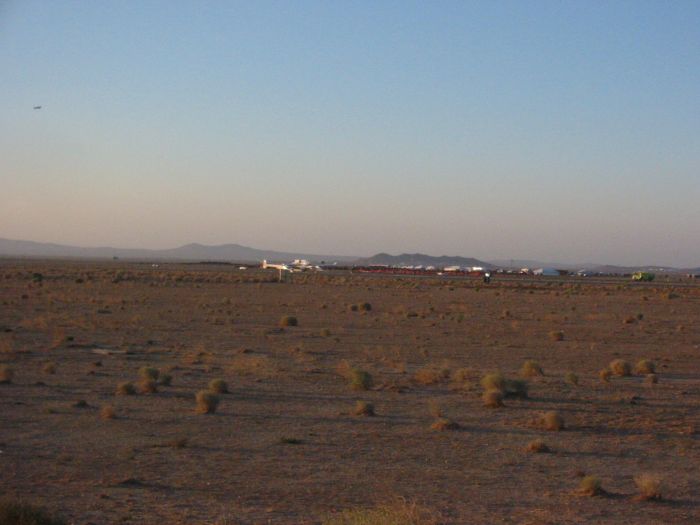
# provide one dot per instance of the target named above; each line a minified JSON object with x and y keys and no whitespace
{"x":644,"y":367}
{"x":430,"y":375}
{"x":492,"y":398}
{"x":556,"y":335}
{"x":649,"y":486}
{"x":531,"y":368}
{"x":363,"y":408}
{"x":126,"y":389}
{"x":620,"y":367}
{"x":6,"y":374}
{"x":398,"y":513}
{"x":571,"y":378}
{"x":552,"y":420}
{"x":149,"y":373}
{"x":360,"y":307}
{"x":148,"y":386}
{"x":590,"y":486}
{"x":107,"y":412}
{"x":289,"y":320}
{"x":444,"y":423}
{"x":360,"y":379}
{"x":21,"y":513}
{"x":49,"y":368}
{"x":207,"y":402}
{"x":494,"y":381}
{"x":537,"y":447}
{"x":605,"y":374}
{"x":508,"y":387}
{"x":651,"y":379}
{"x":218,"y":386}
{"x":462,"y":374}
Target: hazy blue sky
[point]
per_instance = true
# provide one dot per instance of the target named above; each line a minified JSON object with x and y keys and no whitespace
{"x":567,"y":131}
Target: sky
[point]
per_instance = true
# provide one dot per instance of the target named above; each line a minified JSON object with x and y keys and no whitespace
{"x":560,"y":131}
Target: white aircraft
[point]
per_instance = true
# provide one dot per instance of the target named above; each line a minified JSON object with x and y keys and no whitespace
{"x":297,"y":265}
{"x":280,"y":267}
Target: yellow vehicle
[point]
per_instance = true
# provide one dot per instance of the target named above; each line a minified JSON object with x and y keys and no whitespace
{"x":643,"y":276}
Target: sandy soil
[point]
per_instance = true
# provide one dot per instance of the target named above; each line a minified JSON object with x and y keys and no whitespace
{"x":425,"y":342}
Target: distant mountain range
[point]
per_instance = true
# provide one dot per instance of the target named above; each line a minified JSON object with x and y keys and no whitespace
{"x":239,"y":253}
{"x":420,"y":259}
{"x":188,"y":252}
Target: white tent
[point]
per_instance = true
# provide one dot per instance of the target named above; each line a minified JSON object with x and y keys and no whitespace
{"x":546,"y":272}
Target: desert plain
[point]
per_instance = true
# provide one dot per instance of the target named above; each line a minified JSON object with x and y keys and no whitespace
{"x":306,"y":361}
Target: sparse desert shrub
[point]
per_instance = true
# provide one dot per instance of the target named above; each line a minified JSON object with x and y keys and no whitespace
{"x":49,"y":368}
{"x":494,"y":381}
{"x":363,"y":408}
{"x":553,"y":421}
{"x":644,"y":367}
{"x":148,"y":386}
{"x":6,"y":374}
{"x":649,"y":486}
{"x":556,"y":335}
{"x":207,"y":402}
{"x":590,"y":486}
{"x":531,"y":368}
{"x":571,"y":378}
{"x":148,"y":372}
{"x":492,"y":398}
{"x":444,"y":423}
{"x":651,"y":379}
{"x":21,"y":513}
{"x":107,"y":412}
{"x":126,"y":389}
{"x":508,"y":387}
{"x":620,"y":367}
{"x":537,"y":447}
{"x":360,"y":379}
{"x":462,"y":374}
{"x":289,"y":320}
{"x":605,"y":374}
{"x":218,"y":386}
{"x":430,"y":375}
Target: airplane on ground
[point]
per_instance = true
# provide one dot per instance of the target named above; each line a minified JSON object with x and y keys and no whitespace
{"x":297,"y":265}
{"x":280,"y":267}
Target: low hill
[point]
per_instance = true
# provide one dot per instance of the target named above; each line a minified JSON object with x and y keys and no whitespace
{"x":188,"y":252}
{"x":416,"y":259}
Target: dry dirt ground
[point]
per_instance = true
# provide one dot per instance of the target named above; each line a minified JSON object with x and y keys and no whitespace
{"x":285,"y":446}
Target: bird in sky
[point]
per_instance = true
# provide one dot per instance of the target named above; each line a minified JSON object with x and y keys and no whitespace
{"x":37,"y":107}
